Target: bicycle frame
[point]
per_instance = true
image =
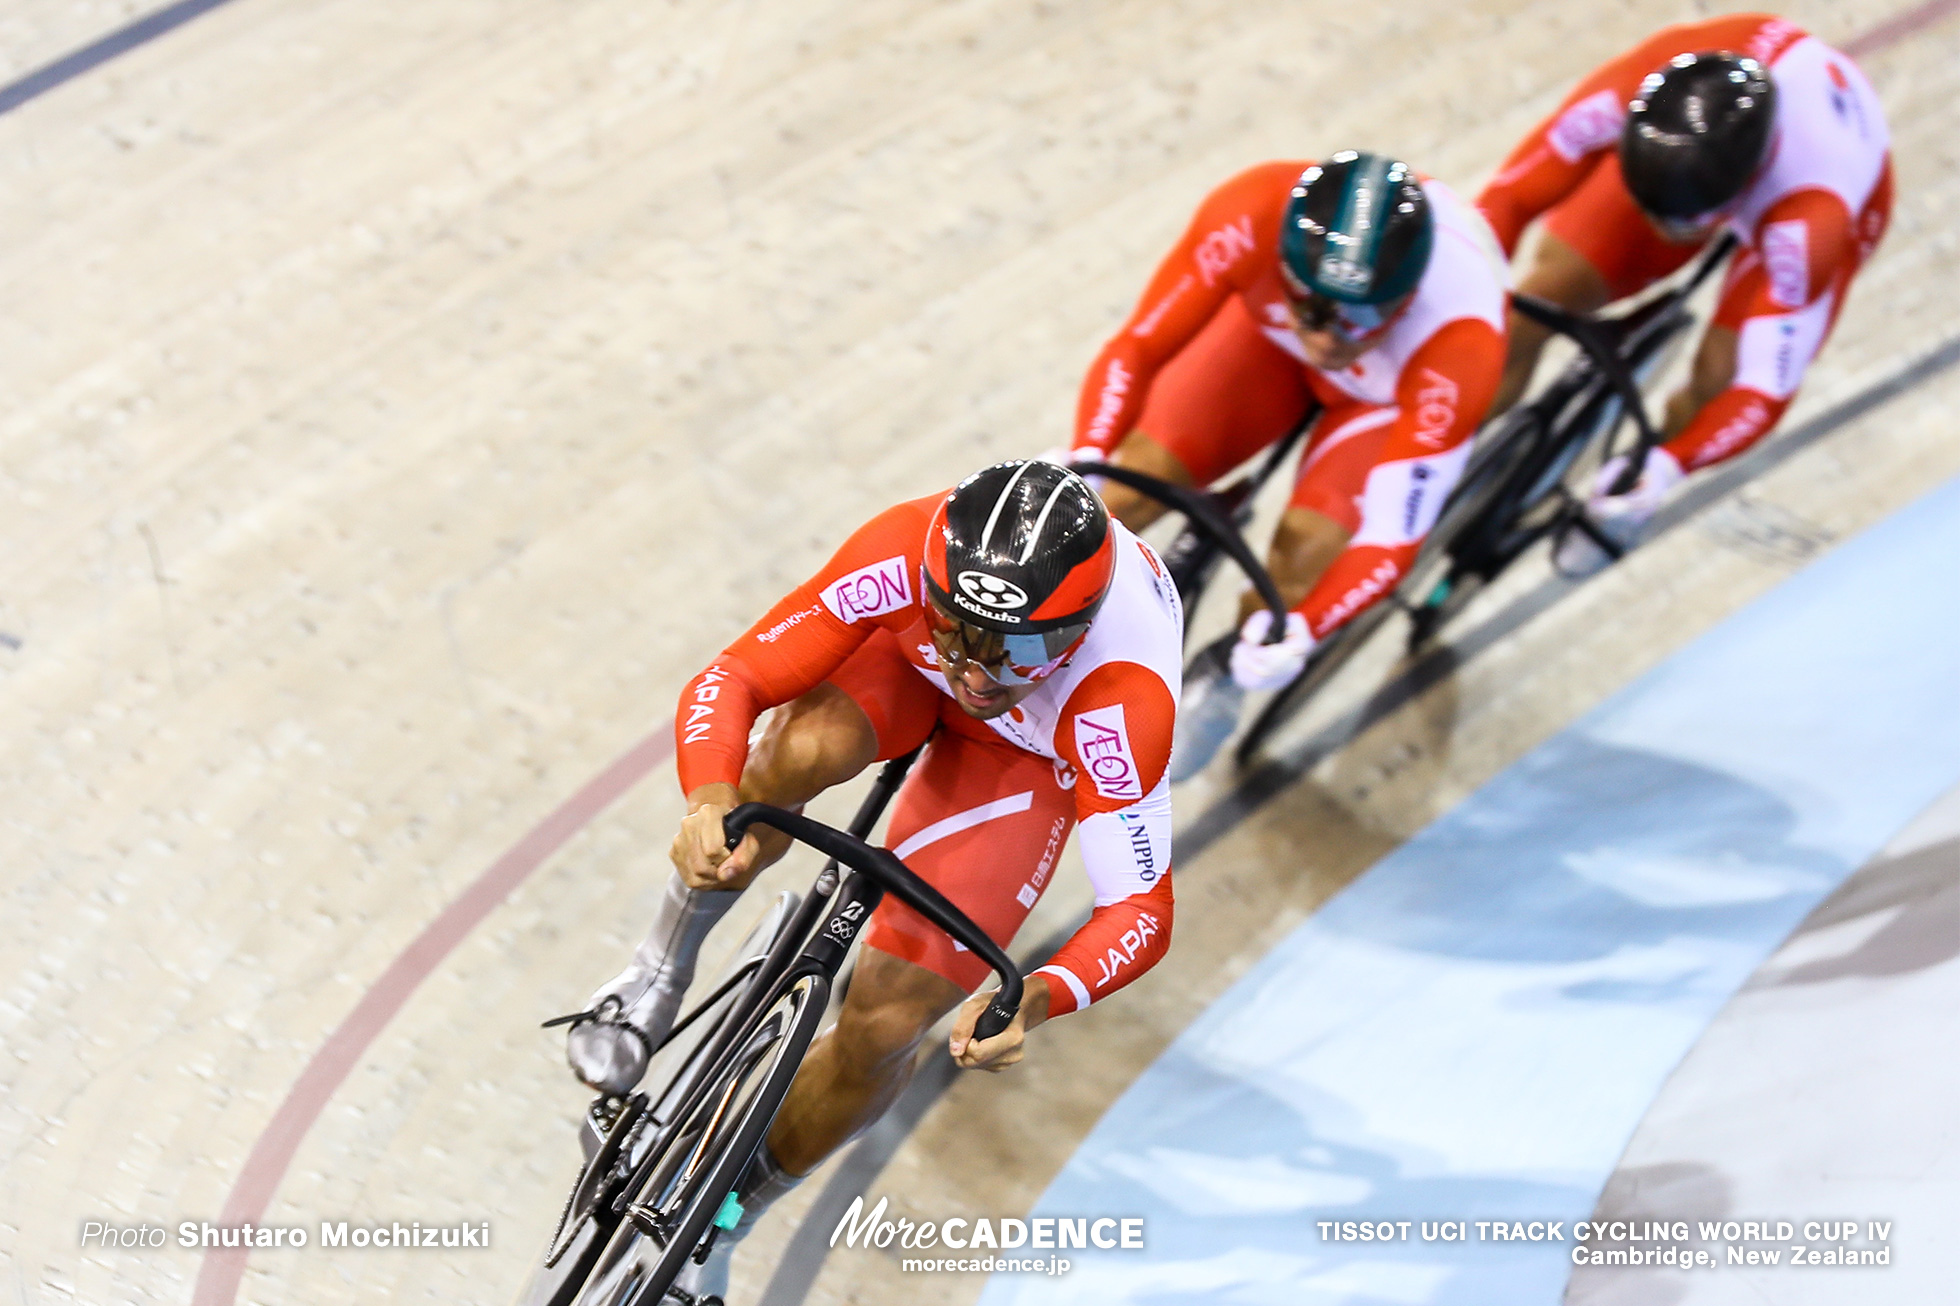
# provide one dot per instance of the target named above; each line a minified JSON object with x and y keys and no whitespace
{"x":1609,"y":348}
{"x":789,"y":956}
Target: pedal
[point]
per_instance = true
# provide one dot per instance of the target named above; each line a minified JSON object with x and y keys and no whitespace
{"x":597,"y":1123}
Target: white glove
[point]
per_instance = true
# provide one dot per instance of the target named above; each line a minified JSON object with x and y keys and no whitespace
{"x":1270,"y":666}
{"x":1659,"y":474}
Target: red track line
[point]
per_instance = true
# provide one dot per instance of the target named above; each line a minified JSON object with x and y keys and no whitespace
{"x":218,"y":1277}
{"x":1896,"y":29}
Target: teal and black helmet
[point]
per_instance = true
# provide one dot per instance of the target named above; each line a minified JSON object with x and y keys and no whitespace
{"x":1357,"y":230}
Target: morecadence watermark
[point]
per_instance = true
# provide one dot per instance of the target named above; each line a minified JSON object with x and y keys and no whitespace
{"x":862,"y":1228}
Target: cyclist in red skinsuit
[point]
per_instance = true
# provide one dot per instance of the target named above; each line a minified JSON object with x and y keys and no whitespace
{"x":1218,"y":361}
{"x":1091,"y":743}
{"x":1807,"y":219}
{"x":881,"y":649}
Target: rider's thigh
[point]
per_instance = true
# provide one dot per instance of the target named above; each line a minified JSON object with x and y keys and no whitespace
{"x":984,"y":823}
{"x":891,"y":1005}
{"x":1230,"y":392}
{"x":1347,"y":443}
{"x":1142,"y":452}
{"x":807,"y":745}
{"x":1598,"y":247}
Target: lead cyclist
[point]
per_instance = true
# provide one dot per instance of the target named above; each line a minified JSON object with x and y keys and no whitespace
{"x":1038,"y":643}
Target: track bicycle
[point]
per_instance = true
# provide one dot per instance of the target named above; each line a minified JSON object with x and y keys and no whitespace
{"x":658,"y":1183}
{"x":1527,"y":477}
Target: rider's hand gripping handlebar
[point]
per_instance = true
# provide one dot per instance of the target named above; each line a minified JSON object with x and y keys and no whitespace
{"x":892,"y":875}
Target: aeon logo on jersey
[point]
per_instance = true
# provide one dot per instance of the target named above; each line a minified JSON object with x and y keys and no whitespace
{"x":1103,"y":744}
{"x":991,"y":592}
{"x":1786,"y":257}
{"x":1593,"y":123}
{"x":869,"y":591}
{"x":1220,"y":249}
{"x":1435,"y":408}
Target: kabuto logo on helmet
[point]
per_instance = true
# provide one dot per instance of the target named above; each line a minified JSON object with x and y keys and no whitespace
{"x":1345,"y":275}
{"x":1021,"y":547}
{"x":991,"y":592}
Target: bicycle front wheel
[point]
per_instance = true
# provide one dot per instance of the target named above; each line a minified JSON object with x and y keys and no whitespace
{"x":702,"y":1156}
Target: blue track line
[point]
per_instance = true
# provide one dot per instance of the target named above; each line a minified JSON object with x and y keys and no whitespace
{"x":121,"y":41}
{"x":1473,"y":1029}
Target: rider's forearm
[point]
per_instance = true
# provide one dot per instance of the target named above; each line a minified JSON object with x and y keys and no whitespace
{"x":1725,"y":426}
{"x":717,"y":710}
{"x":1400,"y":502}
{"x":1112,"y":395}
{"x":1361,"y":577}
{"x":718,"y":794}
{"x":1037,"y":1003}
{"x":1118,"y":944}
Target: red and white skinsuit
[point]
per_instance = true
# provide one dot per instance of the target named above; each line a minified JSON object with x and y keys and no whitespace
{"x":1807,"y":221}
{"x":985,"y":812}
{"x":1209,"y":367}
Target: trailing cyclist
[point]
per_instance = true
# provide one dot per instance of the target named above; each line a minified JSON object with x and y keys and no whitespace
{"x":1037,"y":643}
{"x":1353,"y":286}
{"x":1743,"y":123}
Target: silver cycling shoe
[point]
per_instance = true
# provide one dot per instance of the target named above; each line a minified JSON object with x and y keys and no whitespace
{"x":607,"y":1052}
{"x":1208,"y":711}
{"x":629,"y":1016}
{"x":1577,"y":555}
{"x":609,"y":1047}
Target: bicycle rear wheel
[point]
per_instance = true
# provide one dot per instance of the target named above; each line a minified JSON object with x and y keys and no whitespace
{"x":703,"y":1155}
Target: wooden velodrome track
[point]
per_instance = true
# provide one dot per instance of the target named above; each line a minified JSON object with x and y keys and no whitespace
{"x":403,"y":400}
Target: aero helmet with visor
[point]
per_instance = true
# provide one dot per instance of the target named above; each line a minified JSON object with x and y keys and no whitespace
{"x":1018,"y":558}
{"x":1696,"y":132}
{"x":1355,"y":240}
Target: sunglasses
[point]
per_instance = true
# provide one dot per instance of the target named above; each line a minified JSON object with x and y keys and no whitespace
{"x":1007,"y":659}
{"x":1683,"y":230}
{"x":1351,"y":322}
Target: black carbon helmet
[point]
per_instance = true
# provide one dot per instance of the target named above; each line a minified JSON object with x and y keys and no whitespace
{"x":1020,"y":547}
{"x":1358,"y":229}
{"x":1696,"y":132}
